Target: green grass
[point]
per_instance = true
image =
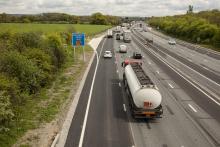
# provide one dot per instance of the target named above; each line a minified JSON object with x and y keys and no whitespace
{"x":51,"y":28}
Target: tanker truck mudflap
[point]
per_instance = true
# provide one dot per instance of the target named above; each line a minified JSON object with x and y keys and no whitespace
{"x":143,"y":95}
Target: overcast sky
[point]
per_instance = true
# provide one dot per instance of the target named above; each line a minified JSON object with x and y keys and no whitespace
{"x":111,"y":7}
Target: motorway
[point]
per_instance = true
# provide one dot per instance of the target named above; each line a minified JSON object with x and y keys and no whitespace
{"x":190,"y":118}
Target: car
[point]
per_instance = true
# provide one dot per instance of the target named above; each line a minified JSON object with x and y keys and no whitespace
{"x":137,"y":55}
{"x":122,"y":48}
{"x":118,"y":36}
{"x":172,"y":42}
{"x":107,"y":54}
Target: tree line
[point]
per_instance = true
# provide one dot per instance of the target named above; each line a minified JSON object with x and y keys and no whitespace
{"x":96,"y":18}
{"x":202,"y":27}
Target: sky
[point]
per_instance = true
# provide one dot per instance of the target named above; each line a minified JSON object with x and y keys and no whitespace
{"x":110,"y":7}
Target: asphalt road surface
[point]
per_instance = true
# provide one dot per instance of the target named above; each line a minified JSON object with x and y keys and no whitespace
{"x":190,"y":119}
{"x":107,"y":123}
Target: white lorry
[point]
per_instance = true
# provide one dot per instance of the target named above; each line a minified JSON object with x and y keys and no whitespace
{"x":109,"y":34}
{"x":126,"y":35}
{"x":144,"y":97}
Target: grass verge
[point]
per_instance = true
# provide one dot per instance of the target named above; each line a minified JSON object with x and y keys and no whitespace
{"x":44,"y":106}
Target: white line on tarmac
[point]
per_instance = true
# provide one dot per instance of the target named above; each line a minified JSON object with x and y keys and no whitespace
{"x":119,"y":84}
{"x":205,"y":67}
{"x":170,"y":85}
{"x":124,"y":108}
{"x":189,"y":60}
{"x":192,"y":108}
{"x":89,"y":100}
{"x":157,"y":72}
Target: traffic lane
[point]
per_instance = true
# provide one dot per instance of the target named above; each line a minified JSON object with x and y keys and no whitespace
{"x":202,"y":100}
{"x":77,"y":121}
{"x":173,"y":129}
{"x":208,"y":73}
{"x":190,"y":46}
{"x":208,"y":85}
{"x":107,"y":122}
{"x":204,"y":82}
{"x":206,"y":122}
{"x":198,"y":58}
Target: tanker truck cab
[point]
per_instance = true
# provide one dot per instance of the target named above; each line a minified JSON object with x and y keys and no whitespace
{"x":143,"y":95}
{"x":130,"y":61}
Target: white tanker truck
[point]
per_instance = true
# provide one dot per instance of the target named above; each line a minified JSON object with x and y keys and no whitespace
{"x":144,"y":97}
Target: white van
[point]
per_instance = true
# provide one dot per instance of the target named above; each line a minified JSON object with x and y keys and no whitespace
{"x":123,"y":48}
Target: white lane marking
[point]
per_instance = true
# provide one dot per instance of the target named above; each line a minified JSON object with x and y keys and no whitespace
{"x":124,"y":108}
{"x":170,"y":85}
{"x":117,"y":71}
{"x":205,"y":67}
{"x":189,"y":60}
{"x":119,"y":84}
{"x":182,"y":145}
{"x":157,"y":72}
{"x":182,"y":75}
{"x":89,"y":100}
{"x":192,"y":108}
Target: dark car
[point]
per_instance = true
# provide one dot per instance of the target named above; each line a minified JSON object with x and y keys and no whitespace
{"x":118,"y":36}
{"x":137,"y":55}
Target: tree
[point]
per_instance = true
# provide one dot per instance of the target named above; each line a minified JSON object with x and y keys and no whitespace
{"x":98,"y":18}
{"x":190,"y":9}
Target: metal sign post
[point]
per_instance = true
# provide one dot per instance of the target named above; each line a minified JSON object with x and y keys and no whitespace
{"x":78,"y":40}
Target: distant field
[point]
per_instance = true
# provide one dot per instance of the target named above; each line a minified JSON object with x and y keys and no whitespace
{"x":50,"y":28}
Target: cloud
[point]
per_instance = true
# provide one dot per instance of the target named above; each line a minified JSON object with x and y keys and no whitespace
{"x":111,"y":7}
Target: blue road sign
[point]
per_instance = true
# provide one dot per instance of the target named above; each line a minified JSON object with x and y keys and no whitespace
{"x":78,"y":39}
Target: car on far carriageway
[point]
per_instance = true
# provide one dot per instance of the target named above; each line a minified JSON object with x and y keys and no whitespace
{"x":172,"y":42}
{"x":107,"y":54}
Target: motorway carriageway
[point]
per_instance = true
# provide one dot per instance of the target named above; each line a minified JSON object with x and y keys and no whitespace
{"x":108,"y":122}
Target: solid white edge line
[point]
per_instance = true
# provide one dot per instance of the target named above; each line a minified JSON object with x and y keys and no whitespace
{"x":124,"y":108}
{"x":192,"y":108}
{"x":182,"y":75}
{"x":90,"y":96}
{"x":170,"y":85}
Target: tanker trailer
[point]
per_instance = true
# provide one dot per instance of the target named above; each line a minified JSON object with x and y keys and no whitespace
{"x":144,"y":97}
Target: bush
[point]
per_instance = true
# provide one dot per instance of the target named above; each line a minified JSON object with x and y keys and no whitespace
{"x":11,"y":88}
{"x":6,"y":113}
{"x":26,"y":40}
{"x":56,"y":50}
{"x":26,"y":72}
{"x":43,"y":62}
